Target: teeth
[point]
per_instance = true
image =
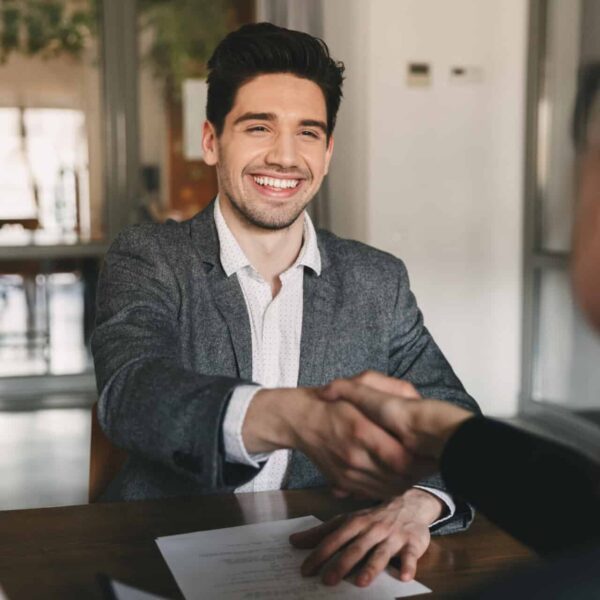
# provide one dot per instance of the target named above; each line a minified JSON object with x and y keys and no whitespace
{"x":277,"y":183}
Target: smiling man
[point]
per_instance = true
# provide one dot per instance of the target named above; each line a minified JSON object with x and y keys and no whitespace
{"x":214,"y":334}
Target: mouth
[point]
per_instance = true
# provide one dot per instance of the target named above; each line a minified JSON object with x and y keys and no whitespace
{"x":277,"y":187}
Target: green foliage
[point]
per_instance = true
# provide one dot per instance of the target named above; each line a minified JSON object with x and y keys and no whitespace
{"x":185,"y":33}
{"x":46,"y":28}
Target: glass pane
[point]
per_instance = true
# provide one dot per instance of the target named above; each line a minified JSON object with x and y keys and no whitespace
{"x":46,"y":317}
{"x":50,"y":123}
{"x":555,"y":148}
{"x":567,"y":370}
{"x":176,"y":39}
{"x":572,"y":39}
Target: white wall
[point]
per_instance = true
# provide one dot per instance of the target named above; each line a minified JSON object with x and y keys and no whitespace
{"x":434,"y":175}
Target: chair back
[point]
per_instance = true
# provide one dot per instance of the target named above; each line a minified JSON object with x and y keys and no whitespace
{"x":105,"y":459}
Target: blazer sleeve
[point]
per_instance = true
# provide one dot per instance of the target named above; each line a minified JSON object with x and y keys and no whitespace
{"x":415,"y":357}
{"x":149,"y":403}
{"x":542,"y":493}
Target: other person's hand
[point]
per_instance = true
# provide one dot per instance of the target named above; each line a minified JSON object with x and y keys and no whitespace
{"x":423,"y":426}
{"x":353,"y":453}
{"x":397,"y":527}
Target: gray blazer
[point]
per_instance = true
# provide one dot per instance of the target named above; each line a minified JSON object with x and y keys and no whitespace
{"x":173,"y":340}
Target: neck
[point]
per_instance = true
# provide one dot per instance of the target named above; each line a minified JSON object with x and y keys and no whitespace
{"x":270,"y":252}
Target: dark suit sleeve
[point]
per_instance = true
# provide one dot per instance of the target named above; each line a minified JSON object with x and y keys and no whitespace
{"x":149,"y":403}
{"x":415,"y":356}
{"x":542,"y":493}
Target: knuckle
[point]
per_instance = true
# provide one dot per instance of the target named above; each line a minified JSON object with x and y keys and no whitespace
{"x":352,"y":457}
{"x":360,"y":378}
{"x":358,"y":549}
{"x":357,"y":522}
{"x":406,"y":387}
{"x":336,"y":384}
{"x":378,"y":531}
{"x":365,"y":377}
{"x":358,"y":427}
{"x":383,"y":551}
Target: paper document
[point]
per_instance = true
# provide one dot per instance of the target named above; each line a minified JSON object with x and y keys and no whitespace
{"x":256,"y":562}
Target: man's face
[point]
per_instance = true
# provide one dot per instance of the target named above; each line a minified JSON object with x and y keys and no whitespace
{"x":273,"y":152}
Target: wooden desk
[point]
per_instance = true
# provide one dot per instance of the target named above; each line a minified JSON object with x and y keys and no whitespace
{"x":56,"y":552}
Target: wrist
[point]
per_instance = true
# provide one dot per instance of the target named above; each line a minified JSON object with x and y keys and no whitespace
{"x":433,"y":423}
{"x":272,"y":420}
{"x":429,"y":508}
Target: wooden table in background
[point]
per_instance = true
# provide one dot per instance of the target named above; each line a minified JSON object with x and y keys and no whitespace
{"x":56,"y":552}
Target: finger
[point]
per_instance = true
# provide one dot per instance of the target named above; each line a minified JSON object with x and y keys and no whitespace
{"x":348,"y":558}
{"x":377,"y":562}
{"x":368,"y":479}
{"x":369,"y":401}
{"x":330,"y":391}
{"x":388,"y":385}
{"x":331,"y":544}
{"x":388,"y":452}
{"x":309,"y":538}
{"x":338,"y":493}
{"x":409,"y":555}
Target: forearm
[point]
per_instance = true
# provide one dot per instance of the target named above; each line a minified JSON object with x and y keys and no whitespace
{"x":542,"y":493}
{"x":158,"y":410}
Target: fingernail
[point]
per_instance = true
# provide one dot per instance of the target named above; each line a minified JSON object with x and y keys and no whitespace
{"x":330,"y":579}
{"x":363,"y":580}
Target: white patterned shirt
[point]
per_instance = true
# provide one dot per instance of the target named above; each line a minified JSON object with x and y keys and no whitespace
{"x":276,"y":329}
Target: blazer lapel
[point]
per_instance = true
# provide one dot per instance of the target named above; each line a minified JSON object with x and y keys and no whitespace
{"x":225,"y":291}
{"x":321,"y":295}
{"x":230,"y":302}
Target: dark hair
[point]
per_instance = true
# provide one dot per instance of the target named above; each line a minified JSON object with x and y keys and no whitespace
{"x":262,"y":48}
{"x":588,"y":89}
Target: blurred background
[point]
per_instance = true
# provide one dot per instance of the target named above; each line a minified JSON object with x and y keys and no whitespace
{"x":453,"y":152}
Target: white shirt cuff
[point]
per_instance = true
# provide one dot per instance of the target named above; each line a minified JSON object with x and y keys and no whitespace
{"x":445,"y":498}
{"x":235,"y":451}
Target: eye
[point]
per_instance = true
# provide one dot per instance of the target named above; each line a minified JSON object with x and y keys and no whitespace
{"x":257,"y":129}
{"x":310,"y":133}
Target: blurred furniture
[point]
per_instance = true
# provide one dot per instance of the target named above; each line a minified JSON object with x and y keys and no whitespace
{"x":66,"y":547}
{"x":29,"y":224}
{"x":34,"y":275}
{"x":105,"y":459}
{"x":37,"y":328}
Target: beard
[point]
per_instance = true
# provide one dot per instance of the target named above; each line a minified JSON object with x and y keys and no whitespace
{"x":270,"y":220}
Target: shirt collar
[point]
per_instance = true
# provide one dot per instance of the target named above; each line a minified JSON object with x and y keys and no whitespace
{"x":233,"y":258}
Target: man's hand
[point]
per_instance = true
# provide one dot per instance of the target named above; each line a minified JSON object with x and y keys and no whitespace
{"x":423,"y":426}
{"x":353,"y":453}
{"x":398,"y":527}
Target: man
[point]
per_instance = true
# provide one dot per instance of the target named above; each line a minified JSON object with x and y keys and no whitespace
{"x":541,"y":492}
{"x":213,"y":333}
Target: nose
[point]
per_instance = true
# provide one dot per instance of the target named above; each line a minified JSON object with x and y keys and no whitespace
{"x":283,"y":152}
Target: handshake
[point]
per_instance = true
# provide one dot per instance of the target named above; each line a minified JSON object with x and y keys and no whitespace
{"x":370,"y":435}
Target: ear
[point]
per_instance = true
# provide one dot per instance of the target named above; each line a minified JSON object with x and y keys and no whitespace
{"x":209,"y":144}
{"x":328,"y":154}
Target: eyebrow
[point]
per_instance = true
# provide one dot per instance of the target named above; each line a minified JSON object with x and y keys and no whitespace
{"x":256,"y":116}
